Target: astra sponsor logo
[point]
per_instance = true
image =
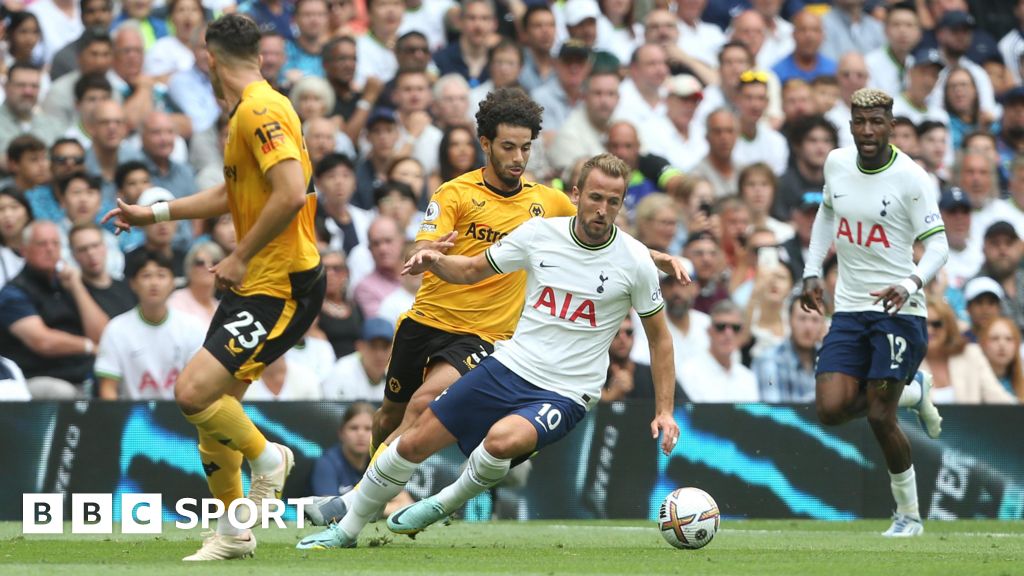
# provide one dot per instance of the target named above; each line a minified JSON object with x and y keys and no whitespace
{"x":484,"y":232}
{"x":143,"y":513}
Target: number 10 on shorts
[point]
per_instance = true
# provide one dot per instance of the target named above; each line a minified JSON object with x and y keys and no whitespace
{"x":549,"y":418}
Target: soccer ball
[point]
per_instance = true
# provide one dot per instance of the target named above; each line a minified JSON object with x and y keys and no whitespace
{"x":688,"y":518}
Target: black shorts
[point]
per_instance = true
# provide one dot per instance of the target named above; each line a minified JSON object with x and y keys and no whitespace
{"x":417,"y":346}
{"x":249,"y":332}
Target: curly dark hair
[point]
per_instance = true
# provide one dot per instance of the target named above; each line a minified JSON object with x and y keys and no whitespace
{"x":509,"y":106}
{"x":234,"y":35}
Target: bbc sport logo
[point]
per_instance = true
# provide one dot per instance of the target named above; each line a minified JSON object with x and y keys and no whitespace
{"x":143,"y":513}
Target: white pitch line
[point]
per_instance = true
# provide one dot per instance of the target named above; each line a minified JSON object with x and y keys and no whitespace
{"x":784,"y":532}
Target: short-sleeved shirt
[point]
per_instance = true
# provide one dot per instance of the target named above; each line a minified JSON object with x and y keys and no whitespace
{"x":265,"y":130}
{"x":879,"y":214}
{"x":576,"y":297}
{"x":481,"y":215}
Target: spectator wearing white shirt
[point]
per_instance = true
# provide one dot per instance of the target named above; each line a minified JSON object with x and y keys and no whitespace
{"x":715,"y":376}
{"x":315,"y":353}
{"x":718,"y":166}
{"x":581,"y":21}
{"x":778,"y":42}
{"x":428,"y":17}
{"x":418,"y":136}
{"x":585,"y":131}
{"x":375,"y":57}
{"x":642,"y":94}
{"x":758,"y":141}
{"x":888,"y":63}
{"x":344,"y":225}
{"x":284,"y":380}
{"x":400,"y":301}
{"x":360,"y":375}
{"x":849,"y":29}
{"x":60,"y":23}
{"x":680,"y":140}
{"x":698,"y":38}
{"x":143,"y":350}
{"x":660,"y":28}
{"x":852,"y":75}
{"x":617,"y":32}
{"x":1011,"y":46}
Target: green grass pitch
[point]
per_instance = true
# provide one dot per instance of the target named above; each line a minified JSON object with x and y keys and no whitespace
{"x":777,"y":547}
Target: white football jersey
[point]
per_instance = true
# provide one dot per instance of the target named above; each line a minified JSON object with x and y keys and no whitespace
{"x":878,"y":216}
{"x":147,"y":358}
{"x":576,"y":298}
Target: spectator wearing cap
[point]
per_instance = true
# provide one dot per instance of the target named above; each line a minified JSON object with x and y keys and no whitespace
{"x":953,"y":34}
{"x":961,"y":373}
{"x":786,"y":372}
{"x":806,"y":61}
{"x":758,"y":141}
{"x":922,"y":73}
{"x":585,"y":130}
{"x":721,"y":129}
{"x":360,"y":375}
{"x":793,"y":250}
{"x":376,"y":58}
{"x":468,"y":56}
{"x":581,"y":21}
{"x":687,"y":326}
{"x":700,"y":39}
{"x":561,"y":94}
{"x":965,"y":258}
{"x":985,"y":301}
{"x":811,"y":138}
{"x":1010,"y":128}
{"x":888,"y":63}
{"x":49,"y":324}
{"x":371,"y":172}
{"x":1003,"y":250}
{"x":538,"y":40}
{"x":848,"y":28}
{"x":160,"y":235}
{"x":680,"y":140}
{"x":643,"y":92}
{"x":982,"y":43}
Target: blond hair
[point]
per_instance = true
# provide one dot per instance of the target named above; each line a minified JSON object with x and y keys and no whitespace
{"x":610,"y":164}
{"x":871,"y":98}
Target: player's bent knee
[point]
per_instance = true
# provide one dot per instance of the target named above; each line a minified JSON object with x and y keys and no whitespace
{"x":830,"y":412}
{"x":511,"y":437}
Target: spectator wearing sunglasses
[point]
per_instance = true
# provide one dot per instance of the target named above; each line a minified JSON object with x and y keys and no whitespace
{"x":27,"y":161}
{"x":759,"y":142}
{"x":714,"y":375}
{"x":199,"y":297}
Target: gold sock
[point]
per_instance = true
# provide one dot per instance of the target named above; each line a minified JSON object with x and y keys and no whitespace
{"x":226,"y":422}
{"x":223,"y":467}
{"x":376,"y":453}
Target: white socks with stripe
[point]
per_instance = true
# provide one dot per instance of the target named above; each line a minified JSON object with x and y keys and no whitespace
{"x":904,"y":490}
{"x":384,"y":480}
{"x":482,"y":472}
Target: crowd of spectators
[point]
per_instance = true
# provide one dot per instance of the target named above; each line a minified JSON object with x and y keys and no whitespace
{"x":724,"y":109}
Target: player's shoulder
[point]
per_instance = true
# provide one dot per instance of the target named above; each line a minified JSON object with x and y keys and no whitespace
{"x":845,"y":157}
{"x":636,"y":249}
{"x":462,"y":185}
{"x":263,"y":103}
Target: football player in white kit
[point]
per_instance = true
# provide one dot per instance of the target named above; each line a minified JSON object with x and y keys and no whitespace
{"x":877,"y":203}
{"x":583,"y":277}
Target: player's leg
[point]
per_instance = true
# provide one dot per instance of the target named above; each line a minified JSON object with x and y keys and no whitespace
{"x":439,"y":376}
{"x":839,"y":398}
{"x":383,"y":481}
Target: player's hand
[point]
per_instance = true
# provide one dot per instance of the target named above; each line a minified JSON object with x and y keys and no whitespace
{"x":892,"y":298}
{"x":229,"y":272}
{"x":421,"y":262}
{"x":812,"y":297}
{"x":672,"y":266}
{"x":127,"y":215}
{"x":666,"y":425}
{"x":444,"y":243}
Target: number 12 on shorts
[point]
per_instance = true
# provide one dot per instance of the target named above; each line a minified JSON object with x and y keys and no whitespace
{"x":549,"y":418}
{"x":897,"y":346}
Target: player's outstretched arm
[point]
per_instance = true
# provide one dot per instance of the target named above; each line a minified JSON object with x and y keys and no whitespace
{"x":664,"y":373}
{"x":208,"y":203}
{"x":452,"y":269}
{"x":811,"y":297}
{"x":671,"y":265}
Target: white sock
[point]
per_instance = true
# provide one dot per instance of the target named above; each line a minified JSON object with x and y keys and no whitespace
{"x":348,"y":498}
{"x":482,"y":473}
{"x":911,"y":395}
{"x":381,"y":483}
{"x":904,"y":490}
{"x":225,"y":528}
{"x":268,"y":461}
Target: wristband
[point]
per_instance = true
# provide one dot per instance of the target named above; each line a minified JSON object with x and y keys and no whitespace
{"x":161,"y":212}
{"x":363,"y":105}
{"x":910,"y":285}
{"x":89,"y":347}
